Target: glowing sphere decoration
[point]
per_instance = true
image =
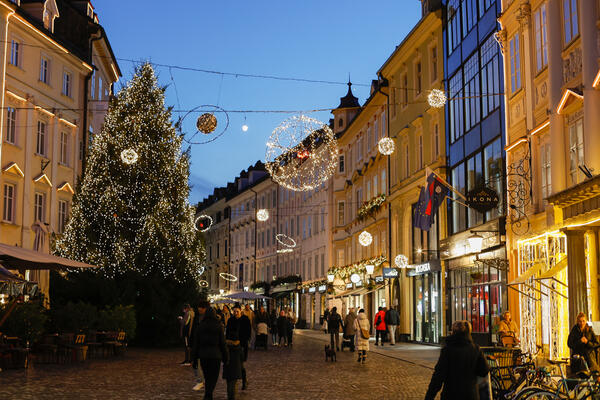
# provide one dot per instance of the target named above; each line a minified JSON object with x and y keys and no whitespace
{"x":244,"y":128}
{"x":401,"y":261}
{"x":355,"y":278}
{"x":437,"y":98}
{"x":365,"y":238}
{"x":386,"y":146}
{"x":262,"y":215}
{"x":129,"y":156}
{"x":302,"y":153}
{"x":203,"y":223}
{"x":206,"y":123}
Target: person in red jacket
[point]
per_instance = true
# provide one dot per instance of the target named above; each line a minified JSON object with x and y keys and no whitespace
{"x":380,"y":328}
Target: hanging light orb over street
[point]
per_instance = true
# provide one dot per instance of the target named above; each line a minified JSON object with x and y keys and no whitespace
{"x":386,"y":146}
{"x":244,"y":128}
{"x":437,"y":98}
{"x":206,"y":123}
{"x":262,"y":215}
{"x":401,"y":261}
{"x":365,"y":238}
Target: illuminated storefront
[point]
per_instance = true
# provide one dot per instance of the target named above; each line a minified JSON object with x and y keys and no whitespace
{"x":427,"y":312}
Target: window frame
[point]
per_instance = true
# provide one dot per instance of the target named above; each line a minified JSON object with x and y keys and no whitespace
{"x":19,"y":52}
{"x":540,"y":31}
{"x":39,"y":210}
{"x":64,"y":148}
{"x":45,"y":69}
{"x":63,"y":215}
{"x":515,"y":63}
{"x":11,"y":125}
{"x":41,"y":138}
{"x":568,"y":23}
{"x":9,"y":201}
{"x":67,"y":85}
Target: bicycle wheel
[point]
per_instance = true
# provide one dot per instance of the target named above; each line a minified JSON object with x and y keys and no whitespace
{"x":541,"y":395}
{"x":526,"y":391}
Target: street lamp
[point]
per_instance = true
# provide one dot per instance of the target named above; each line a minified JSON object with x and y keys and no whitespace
{"x":330,"y":278}
{"x":370,"y":268}
{"x":475,"y":242}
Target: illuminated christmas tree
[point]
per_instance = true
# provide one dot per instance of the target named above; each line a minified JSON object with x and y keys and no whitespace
{"x":131,"y":211}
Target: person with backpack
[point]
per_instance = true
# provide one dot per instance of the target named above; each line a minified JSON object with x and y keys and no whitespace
{"x":380,"y":327}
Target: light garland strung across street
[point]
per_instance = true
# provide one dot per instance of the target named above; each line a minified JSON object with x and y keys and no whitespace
{"x":281,"y":238}
{"x":206,"y":124}
{"x":302,"y":153}
{"x":203,"y":283}
{"x":262,"y":215}
{"x":286,"y":250}
{"x":365,"y":238}
{"x":228,"y":277}
{"x":437,"y":98}
{"x":386,"y":146}
{"x":202,"y":227}
{"x":129,"y":156}
{"x":401,"y":261}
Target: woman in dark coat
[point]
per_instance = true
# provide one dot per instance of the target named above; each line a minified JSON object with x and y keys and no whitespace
{"x":232,"y":371}
{"x":460,"y":363}
{"x":582,"y":341}
{"x":209,"y":347}
{"x":282,"y":328}
{"x":273,"y":326}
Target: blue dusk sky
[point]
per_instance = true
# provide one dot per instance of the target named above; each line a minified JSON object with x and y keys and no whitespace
{"x":307,"y":39}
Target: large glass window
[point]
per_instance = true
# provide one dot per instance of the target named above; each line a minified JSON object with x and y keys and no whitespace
{"x":490,"y":76}
{"x":472,"y":92}
{"x":493,"y":168}
{"x":459,"y":212}
{"x":515,"y":64}
{"x":469,"y":16}
{"x":456,"y":106}
{"x":484,"y":5}
{"x":453,"y":29}
{"x":474,"y":179}
{"x":424,"y":243}
{"x":541,"y":45}
{"x":571,"y":24}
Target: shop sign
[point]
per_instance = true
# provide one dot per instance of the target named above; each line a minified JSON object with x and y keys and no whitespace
{"x":359,"y":284}
{"x":379,"y":279}
{"x":312,"y":289}
{"x":389,"y":273}
{"x":482,"y":199}
{"x":425,"y":268}
{"x":349,"y":285}
{"x":322,"y":288}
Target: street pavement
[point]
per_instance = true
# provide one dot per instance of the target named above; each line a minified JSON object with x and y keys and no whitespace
{"x":299,"y":372}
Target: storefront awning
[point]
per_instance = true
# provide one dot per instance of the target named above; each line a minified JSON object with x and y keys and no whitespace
{"x":18,"y":258}
{"x":559,"y":266}
{"x":525,"y":276}
{"x":358,"y":291}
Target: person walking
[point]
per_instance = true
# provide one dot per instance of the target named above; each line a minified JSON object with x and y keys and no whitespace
{"x":349,"y":328}
{"x":210,"y":348}
{"x":461,"y":362}
{"x":583,"y":342}
{"x":226,"y":314}
{"x":273,"y":326}
{"x":194,"y":338}
{"x":380,"y":327}
{"x":248,"y":312}
{"x":392,"y":320}
{"x":185,"y":330}
{"x":291,"y":320}
{"x":233,"y":370}
{"x":363,"y":331}
{"x":334,"y":323}
{"x":282,"y":327}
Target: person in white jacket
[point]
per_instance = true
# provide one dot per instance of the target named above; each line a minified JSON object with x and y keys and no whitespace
{"x":363,"y":333}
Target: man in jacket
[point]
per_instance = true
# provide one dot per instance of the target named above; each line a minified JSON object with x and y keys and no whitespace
{"x":392,"y":320}
{"x":460,"y":363}
{"x":380,"y":327}
{"x":241,"y":324}
{"x":209,"y":347}
{"x":349,"y":329}
{"x":334,"y":323}
{"x":583,"y":342}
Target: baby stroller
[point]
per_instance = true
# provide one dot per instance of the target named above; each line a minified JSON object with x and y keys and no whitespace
{"x":348,"y":341}
{"x":262,"y":336}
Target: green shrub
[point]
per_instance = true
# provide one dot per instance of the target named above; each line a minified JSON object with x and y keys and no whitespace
{"x":118,"y":318}
{"x":26,"y":321}
{"x":74,"y":317}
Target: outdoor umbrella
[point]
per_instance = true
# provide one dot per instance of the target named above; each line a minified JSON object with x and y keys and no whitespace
{"x":7,"y":276}
{"x":246,"y":296}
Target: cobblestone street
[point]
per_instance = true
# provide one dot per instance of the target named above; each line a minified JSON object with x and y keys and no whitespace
{"x":299,"y":372}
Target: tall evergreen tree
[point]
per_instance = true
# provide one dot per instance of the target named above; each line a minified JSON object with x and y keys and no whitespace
{"x":131,"y":212}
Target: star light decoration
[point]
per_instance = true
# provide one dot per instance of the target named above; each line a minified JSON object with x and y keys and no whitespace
{"x":365,"y":238}
{"x":437,"y":98}
{"x":386,"y":146}
{"x":129,"y":156}
{"x":302,"y":153}
{"x":262,"y":215}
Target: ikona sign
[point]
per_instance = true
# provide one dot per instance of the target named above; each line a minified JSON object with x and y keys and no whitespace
{"x":482,"y":199}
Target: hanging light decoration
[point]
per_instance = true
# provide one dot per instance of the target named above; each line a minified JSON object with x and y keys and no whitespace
{"x":228,"y":277}
{"x":285,"y":240}
{"x":129,"y":156}
{"x":370,"y":268}
{"x":203,"y":223}
{"x":401,"y":261}
{"x":437,"y":98}
{"x":262,"y":215}
{"x":365,"y":238}
{"x":475,"y":243}
{"x":302,"y":153}
{"x":330,"y":278}
{"x":206,"y":123}
{"x":386,"y":146}
{"x":283,"y":251}
{"x":244,"y":128}
{"x":203,"y":283}
{"x":355,"y":278}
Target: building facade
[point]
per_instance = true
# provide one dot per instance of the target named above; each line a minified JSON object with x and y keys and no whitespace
{"x":551,"y":64}
{"x":475,"y":157}
{"x":413,"y":70}
{"x":52,"y":49}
